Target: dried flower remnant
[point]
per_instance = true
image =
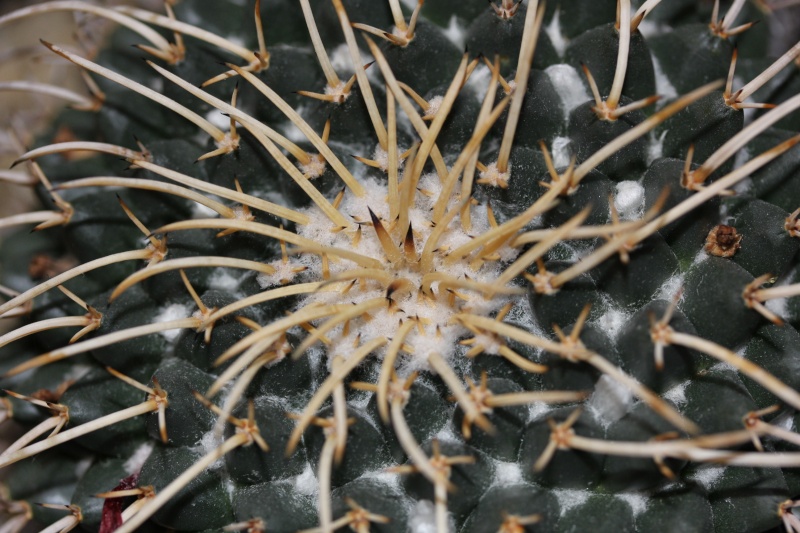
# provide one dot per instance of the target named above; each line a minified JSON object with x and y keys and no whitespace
{"x":723,"y":241}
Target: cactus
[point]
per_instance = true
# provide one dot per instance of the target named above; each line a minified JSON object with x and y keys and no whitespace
{"x":357,"y":265}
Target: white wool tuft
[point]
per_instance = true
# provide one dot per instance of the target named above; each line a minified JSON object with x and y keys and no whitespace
{"x":629,"y":200}
{"x":784,"y":420}
{"x":314,"y":168}
{"x":81,"y":467}
{"x":218,"y":119}
{"x":777,"y":306}
{"x":537,"y":410}
{"x":506,"y":474}
{"x":172,"y":312}
{"x":701,"y":256}
{"x":208,"y":443}
{"x":223,"y":279}
{"x":490,"y":343}
{"x":435,"y":103}
{"x":479,"y":81}
{"x":292,"y":132}
{"x":610,"y":401}
{"x":708,"y":475}
{"x":677,"y":394}
{"x":655,"y":146}
{"x":343,"y":64}
{"x":455,"y":32}
{"x":554,"y":32}
{"x":423,"y":518}
{"x":664,"y":87}
{"x":390,"y":479}
{"x":650,"y":28}
{"x":341,"y":61}
{"x":636,"y":500}
{"x":569,"y":498}
{"x":612,"y":321}
{"x":233,"y":38}
{"x":381,"y":156}
{"x":135,"y":462}
{"x":494,"y":177}
{"x":202,"y":211}
{"x":284,"y":273}
{"x":722,"y":366}
{"x":76,"y":372}
{"x":670,"y":288}
{"x":449,"y":433}
{"x":560,"y":152}
{"x":569,"y":86}
{"x":306,"y":482}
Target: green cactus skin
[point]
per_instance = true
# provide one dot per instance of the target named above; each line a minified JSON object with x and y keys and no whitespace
{"x":527,"y":304}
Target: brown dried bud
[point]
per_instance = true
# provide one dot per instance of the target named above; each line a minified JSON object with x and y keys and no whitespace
{"x":723,"y":241}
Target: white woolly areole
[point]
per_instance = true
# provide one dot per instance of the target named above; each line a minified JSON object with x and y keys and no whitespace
{"x":629,"y":200}
{"x":494,"y":177}
{"x":610,"y":401}
{"x":433,"y":106}
{"x":381,"y":157}
{"x":285,"y":272}
{"x":438,"y":332}
{"x":568,"y":85}
{"x":172,"y":312}
{"x":314,"y":168}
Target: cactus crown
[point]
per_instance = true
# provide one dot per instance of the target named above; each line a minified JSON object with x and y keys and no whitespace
{"x":505,"y":289}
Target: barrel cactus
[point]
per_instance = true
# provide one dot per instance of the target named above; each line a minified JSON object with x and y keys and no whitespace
{"x":365,"y":265}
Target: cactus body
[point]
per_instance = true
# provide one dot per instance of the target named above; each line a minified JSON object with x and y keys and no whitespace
{"x":528,"y":304}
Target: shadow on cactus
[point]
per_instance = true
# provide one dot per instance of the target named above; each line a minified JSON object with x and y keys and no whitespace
{"x":362,"y":279}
